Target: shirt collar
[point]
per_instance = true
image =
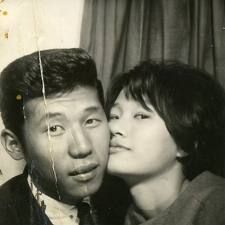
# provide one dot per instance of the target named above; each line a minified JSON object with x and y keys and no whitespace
{"x":53,"y":208}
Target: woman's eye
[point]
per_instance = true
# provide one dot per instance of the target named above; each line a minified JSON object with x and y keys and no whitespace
{"x":141,"y":116}
{"x":93,"y":122}
{"x":113,"y":117}
{"x":56,"y":130}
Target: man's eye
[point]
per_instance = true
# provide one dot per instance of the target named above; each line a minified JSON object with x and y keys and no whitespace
{"x":56,"y":130}
{"x":92,"y":122}
{"x":141,"y":116}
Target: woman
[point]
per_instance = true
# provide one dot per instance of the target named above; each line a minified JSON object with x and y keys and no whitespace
{"x":167,"y":122}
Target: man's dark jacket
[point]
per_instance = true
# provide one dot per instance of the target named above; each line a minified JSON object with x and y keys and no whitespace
{"x":19,"y":207}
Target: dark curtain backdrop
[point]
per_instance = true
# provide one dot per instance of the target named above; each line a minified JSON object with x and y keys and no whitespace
{"x":120,"y":33}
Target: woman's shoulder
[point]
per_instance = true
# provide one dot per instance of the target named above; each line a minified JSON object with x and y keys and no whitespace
{"x":210,"y":195}
{"x":205,"y":188}
{"x":206,"y":184}
{"x":203,"y":201}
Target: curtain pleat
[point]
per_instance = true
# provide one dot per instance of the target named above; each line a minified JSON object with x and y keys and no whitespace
{"x":121,"y":33}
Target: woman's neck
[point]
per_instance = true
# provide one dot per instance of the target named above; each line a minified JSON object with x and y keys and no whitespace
{"x":155,"y":194}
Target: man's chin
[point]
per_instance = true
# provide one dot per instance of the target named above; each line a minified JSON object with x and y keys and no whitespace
{"x":81,"y":190}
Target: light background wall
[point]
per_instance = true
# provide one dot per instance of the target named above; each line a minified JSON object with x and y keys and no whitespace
{"x":30,"y":25}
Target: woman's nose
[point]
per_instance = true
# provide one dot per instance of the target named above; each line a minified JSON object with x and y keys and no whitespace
{"x":80,"y":145}
{"x":118,"y":127}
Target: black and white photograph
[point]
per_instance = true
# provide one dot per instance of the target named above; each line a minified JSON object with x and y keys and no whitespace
{"x":112,"y":112}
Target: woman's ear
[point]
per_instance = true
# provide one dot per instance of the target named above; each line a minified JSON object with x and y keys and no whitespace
{"x":12,"y":144}
{"x":181,"y":153}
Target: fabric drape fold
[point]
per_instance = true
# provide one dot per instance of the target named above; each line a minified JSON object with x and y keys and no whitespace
{"x":119,"y":34}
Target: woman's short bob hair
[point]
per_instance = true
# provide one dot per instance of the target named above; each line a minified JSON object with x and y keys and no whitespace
{"x":191,"y":103}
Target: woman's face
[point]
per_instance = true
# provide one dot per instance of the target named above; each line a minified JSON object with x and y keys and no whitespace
{"x":141,"y":146}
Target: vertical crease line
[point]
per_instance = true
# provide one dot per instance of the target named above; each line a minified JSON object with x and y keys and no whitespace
{"x":213,"y":47}
{"x":198,"y":33}
{"x":45,"y":102}
{"x":163,"y":31}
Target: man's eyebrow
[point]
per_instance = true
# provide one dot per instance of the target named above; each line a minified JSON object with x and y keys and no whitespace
{"x":50,"y":115}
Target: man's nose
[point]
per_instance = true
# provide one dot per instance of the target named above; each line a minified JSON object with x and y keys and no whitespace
{"x":80,"y":145}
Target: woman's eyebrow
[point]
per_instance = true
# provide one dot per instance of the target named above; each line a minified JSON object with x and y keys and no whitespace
{"x":149,"y":108}
{"x":91,"y":109}
{"x":116,"y":104}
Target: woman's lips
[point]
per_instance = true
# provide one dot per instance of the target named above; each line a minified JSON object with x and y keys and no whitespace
{"x":115,"y":147}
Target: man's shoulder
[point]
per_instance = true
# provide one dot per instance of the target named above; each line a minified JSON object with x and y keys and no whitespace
{"x":17,"y":204}
{"x":11,"y":199}
{"x":12,"y":189}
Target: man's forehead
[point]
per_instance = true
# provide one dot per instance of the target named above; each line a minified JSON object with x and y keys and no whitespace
{"x":77,"y":100}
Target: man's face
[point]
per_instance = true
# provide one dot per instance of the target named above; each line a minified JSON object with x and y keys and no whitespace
{"x":66,"y":143}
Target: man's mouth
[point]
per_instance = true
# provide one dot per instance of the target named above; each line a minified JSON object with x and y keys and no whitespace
{"x":85,"y":172}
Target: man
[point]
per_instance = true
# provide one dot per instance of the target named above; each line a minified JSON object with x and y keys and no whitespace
{"x":52,"y":109}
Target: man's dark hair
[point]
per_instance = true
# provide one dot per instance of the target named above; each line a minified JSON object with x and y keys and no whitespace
{"x":191,"y":103}
{"x":62,"y":70}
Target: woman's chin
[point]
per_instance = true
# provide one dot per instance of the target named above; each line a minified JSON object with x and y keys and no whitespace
{"x":116,"y":168}
{"x":113,"y":167}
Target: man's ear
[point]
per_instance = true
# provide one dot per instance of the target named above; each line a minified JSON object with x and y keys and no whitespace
{"x":12,"y":144}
